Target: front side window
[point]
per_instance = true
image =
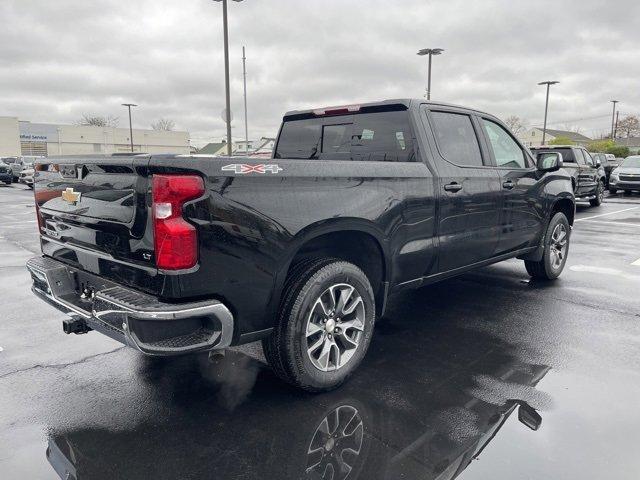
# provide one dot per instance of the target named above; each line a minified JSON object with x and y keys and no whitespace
{"x":506,"y":150}
{"x":456,"y":138}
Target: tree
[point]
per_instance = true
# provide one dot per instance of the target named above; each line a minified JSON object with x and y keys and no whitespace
{"x":629,"y":126}
{"x":97,"y":121}
{"x":561,"y":141}
{"x":514,"y":123}
{"x":164,"y":124}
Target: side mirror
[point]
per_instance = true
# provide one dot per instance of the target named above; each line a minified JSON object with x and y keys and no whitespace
{"x":598,"y":163}
{"x":549,"y":161}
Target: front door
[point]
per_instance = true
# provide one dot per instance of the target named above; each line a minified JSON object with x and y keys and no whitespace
{"x":521,"y":219}
{"x":587,"y":174}
{"x":469,"y":190}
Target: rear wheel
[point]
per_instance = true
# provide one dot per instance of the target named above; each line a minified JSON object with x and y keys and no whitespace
{"x":325,"y":325}
{"x":596,"y":202}
{"x":556,"y":249}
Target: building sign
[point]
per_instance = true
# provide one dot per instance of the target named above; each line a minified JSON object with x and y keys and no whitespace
{"x":38,"y":132}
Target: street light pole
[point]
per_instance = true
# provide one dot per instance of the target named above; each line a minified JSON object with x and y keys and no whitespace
{"x":246,"y":122}
{"x":546,"y":108}
{"x":129,"y":105}
{"x":613,"y":119}
{"x":430,"y":52}
{"x":226,"y":71}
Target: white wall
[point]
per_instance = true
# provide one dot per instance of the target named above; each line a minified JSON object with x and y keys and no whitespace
{"x":9,"y":137}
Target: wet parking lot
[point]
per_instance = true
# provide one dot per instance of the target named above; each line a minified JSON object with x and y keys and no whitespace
{"x":488,"y":375}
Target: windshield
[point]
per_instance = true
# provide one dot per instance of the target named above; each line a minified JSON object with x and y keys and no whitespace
{"x":632,"y":161}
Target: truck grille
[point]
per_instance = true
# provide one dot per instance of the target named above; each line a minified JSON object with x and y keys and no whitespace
{"x":630,"y":178}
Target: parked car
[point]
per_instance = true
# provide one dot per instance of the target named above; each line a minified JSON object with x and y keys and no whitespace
{"x":608,"y":162}
{"x":357,"y":203}
{"x":26,"y":176}
{"x":587,"y":175}
{"x":627,"y":176}
{"x":6,"y":176}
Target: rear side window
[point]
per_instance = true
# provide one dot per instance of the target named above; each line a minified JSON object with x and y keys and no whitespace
{"x":383,"y":136}
{"x":456,"y":138}
{"x":567,"y":153}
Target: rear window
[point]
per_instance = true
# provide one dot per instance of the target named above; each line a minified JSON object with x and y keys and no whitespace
{"x":567,"y":153}
{"x":383,"y":136}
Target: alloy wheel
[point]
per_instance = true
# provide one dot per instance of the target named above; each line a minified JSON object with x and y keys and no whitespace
{"x":335,"y":327}
{"x":558,"y":245}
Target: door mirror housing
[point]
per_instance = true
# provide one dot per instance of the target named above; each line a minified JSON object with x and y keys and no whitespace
{"x":549,"y":161}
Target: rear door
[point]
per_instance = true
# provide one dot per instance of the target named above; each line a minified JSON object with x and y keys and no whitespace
{"x":521,"y":221}
{"x":469,"y":190}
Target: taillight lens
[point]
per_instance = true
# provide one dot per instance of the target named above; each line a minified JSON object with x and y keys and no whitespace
{"x":176,"y":240}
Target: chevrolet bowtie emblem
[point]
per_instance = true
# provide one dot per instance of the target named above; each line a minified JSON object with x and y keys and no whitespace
{"x":69,"y":196}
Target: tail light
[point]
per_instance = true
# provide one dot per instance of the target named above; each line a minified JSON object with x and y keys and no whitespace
{"x":176,"y":240}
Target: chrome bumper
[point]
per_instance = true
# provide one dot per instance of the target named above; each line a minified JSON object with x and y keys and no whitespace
{"x":133,"y":318}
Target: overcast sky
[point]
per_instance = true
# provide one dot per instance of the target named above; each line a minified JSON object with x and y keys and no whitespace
{"x":63,"y":58}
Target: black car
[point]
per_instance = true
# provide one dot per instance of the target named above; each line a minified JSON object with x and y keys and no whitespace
{"x":608,"y":162}
{"x":175,"y":254}
{"x":6,"y":176}
{"x":588,"y":176}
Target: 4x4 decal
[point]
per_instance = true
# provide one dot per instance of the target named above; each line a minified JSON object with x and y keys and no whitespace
{"x":243,"y":168}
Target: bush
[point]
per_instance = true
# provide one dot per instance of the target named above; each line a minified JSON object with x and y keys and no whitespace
{"x":618,"y":151}
{"x":561,"y":141}
{"x":600,"y":146}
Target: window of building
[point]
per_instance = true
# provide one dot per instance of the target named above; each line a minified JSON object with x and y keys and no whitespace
{"x":456,"y":138}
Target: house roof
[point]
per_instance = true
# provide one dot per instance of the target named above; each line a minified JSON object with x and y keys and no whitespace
{"x":211,"y":148}
{"x":628,"y":142}
{"x":574,"y":136}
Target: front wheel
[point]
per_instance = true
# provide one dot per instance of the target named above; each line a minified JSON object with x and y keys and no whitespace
{"x":325,"y":325}
{"x":596,"y":202}
{"x":556,"y":249}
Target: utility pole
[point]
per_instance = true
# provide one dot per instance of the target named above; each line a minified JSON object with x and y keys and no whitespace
{"x":129,"y":105}
{"x":546,"y":107}
{"x":615,"y":128}
{"x":246,"y":122}
{"x":613,"y":119}
{"x":430,"y":52}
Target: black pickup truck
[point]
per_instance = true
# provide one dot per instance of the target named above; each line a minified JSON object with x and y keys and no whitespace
{"x":174,"y":254}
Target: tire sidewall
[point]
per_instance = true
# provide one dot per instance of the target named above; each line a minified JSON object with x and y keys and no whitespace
{"x":337,"y":272}
{"x":550,"y":271}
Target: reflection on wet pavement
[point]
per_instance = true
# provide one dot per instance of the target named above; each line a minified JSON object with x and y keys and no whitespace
{"x":413,"y":411}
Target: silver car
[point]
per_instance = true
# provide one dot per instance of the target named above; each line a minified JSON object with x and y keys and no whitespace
{"x":26,"y":175}
{"x":626,"y":176}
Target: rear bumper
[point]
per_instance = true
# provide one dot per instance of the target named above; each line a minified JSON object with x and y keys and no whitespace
{"x":133,"y":318}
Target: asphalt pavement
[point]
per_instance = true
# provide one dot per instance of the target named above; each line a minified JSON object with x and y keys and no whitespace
{"x":488,"y":375}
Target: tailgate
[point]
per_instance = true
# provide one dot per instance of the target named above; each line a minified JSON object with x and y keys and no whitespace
{"x":93,"y":215}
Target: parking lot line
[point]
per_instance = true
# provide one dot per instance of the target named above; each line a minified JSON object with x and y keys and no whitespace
{"x":613,"y":222}
{"x":604,"y":214}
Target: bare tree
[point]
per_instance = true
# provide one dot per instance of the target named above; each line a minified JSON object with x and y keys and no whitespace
{"x":629,"y":126}
{"x":164,"y":124}
{"x":516,"y":125}
{"x":98,"y":121}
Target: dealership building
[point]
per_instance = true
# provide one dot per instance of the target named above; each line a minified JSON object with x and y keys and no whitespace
{"x":18,"y":138}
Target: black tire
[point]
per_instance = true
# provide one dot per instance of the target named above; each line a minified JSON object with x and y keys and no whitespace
{"x":613,"y":191}
{"x":596,"y":202}
{"x":546,"y":268}
{"x":627,"y":192}
{"x":286,"y":348}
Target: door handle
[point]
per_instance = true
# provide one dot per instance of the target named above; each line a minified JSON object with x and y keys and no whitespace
{"x":508,"y":184}
{"x":453,"y":187}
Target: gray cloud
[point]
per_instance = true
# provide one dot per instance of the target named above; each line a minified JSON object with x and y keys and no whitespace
{"x":61,"y":59}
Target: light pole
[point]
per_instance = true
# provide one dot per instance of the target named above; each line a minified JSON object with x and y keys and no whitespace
{"x":129,"y":105}
{"x":430,"y":52}
{"x":226,"y":70}
{"x":546,"y":108}
{"x":613,"y":119}
{"x":246,"y":122}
